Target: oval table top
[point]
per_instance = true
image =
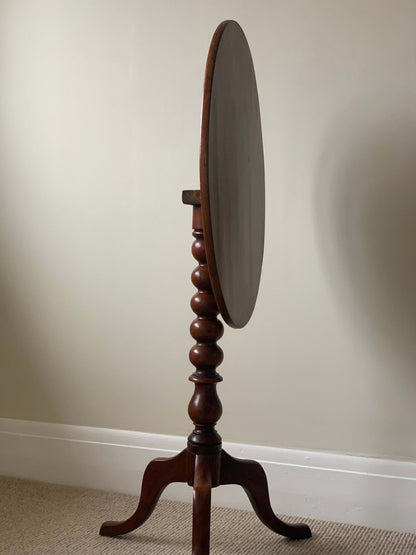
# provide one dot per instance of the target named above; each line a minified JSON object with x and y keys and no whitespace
{"x":232,"y":175}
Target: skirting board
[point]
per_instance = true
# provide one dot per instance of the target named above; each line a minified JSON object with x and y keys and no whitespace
{"x":357,"y":490}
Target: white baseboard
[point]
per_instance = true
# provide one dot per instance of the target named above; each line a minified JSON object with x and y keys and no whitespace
{"x":358,"y":490}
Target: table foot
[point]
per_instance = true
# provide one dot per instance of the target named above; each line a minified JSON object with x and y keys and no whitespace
{"x":251,"y":476}
{"x":158,"y":474}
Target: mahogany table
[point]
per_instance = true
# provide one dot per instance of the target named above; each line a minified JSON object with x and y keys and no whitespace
{"x":228,"y":227}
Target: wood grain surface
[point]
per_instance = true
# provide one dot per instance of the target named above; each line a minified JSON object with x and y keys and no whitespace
{"x":232,"y":174}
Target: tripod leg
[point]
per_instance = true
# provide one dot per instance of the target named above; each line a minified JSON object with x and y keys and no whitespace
{"x":201,"y":519}
{"x":251,"y":476}
{"x":158,"y":474}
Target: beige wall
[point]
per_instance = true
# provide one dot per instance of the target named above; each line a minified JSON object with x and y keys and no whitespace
{"x":99,"y":131}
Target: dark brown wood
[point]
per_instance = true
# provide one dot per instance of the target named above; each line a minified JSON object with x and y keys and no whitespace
{"x":201,"y":515}
{"x":158,"y":474}
{"x":228,"y":230}
{"x":251,"y":476}
{"x":191,"y":197}
{"x":205,"y":407}
{"x":204,"y":464}
{"x":232,"y":174}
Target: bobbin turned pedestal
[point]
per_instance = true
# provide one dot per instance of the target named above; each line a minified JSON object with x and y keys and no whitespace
{"x":204,"y":464}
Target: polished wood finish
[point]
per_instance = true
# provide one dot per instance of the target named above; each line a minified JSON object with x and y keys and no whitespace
{"x":191,"y":197}
{"x":228,"y":230}
{"x":204,"y":464}
{"x":205,"y":408}
{"x":158,"y":474}
{"x":252,"y":478}
{"x":232,"y":174}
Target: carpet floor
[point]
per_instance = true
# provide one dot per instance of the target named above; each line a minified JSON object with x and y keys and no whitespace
{"x":42,"y":519}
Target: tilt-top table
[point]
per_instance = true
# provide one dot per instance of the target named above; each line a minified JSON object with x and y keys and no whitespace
{"x":228,"y":227}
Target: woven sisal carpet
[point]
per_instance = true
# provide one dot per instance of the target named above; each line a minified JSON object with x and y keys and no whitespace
{"x":38,"y":518}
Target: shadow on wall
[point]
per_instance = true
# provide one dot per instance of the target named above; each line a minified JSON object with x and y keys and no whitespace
{"x":366,"y":220}
{"x":20,"y":357}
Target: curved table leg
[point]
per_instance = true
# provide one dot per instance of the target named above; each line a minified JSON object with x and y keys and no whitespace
{"x":251,"y":476}
{"x":201,"y":516}
{"x":158,"y":474}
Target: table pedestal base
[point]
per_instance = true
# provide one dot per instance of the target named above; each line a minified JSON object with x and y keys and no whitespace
{"x":204,"y":472}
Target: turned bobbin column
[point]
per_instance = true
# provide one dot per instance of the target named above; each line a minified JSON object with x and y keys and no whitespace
{"x":205,"y":407}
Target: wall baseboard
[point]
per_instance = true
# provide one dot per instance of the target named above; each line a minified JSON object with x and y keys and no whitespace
{"x":357,"y":490}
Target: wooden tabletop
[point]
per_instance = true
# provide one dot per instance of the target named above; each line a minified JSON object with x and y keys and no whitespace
{"x":232,"y":175}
